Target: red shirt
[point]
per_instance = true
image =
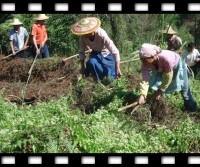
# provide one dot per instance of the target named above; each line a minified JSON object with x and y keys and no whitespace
{"x":39,"y":31}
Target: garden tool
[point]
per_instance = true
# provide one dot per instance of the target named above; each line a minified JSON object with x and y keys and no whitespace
{"x":15,"y":53}
{"x":29,"y":72}
{"x":129,"y":106}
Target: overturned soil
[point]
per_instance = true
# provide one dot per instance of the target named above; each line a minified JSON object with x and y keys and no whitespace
{"x":49,"y":79}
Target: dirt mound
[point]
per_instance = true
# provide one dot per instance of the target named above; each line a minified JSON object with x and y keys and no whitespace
{"x":159,"y":109}
{"x":133,"y":81}
{"x":50,"y":78}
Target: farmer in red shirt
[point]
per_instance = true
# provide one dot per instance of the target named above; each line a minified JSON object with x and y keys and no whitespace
{"x":39,"y":37}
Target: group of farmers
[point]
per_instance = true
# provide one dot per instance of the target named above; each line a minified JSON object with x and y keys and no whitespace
{"x":169,"y":70}
{"x":19,"y":38}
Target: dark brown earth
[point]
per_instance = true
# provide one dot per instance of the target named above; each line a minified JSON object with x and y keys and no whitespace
{"x":49,"y":79}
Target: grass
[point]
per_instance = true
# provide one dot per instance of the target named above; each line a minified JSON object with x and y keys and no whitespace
{"x":61,"y":126}
{"x":53,"y":127}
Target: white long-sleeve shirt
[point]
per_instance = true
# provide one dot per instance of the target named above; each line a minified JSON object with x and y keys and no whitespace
{"x":190,"y":57}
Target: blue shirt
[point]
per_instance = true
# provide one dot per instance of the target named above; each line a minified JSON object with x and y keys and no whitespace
{"x":18,"y":38}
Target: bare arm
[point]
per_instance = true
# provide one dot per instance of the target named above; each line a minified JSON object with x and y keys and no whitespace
{"x":26,"y":42}
{"x":35,"y":44}
{"x":118,"y":70}
{"x":12,"y":48}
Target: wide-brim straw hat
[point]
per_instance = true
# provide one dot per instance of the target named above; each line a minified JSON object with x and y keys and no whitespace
{"x":41,"y":17}
{"x":16,"y":22}
{"x":86,"y":26}
{"x":168,"y":30}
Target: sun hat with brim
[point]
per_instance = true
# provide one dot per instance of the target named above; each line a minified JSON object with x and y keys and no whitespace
{"x":16,"y":22}
{"x":86,"y":26}
{"x":41,"y":17}
{"x":168,"y":30}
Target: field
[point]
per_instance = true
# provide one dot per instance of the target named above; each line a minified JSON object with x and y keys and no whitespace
{"x":57,"y":110}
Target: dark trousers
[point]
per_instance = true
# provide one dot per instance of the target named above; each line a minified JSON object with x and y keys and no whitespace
{"x":100,"y":66}
{"x":21,"y":54}
{"x":44,"y":52}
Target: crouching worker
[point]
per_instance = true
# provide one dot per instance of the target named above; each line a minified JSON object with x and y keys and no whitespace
{"x":169,"y":74}
{"x":104,"y":60}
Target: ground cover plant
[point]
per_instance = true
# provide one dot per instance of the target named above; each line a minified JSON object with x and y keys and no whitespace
{"x":60,"y":111}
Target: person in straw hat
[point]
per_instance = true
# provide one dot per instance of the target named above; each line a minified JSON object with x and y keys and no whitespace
{"x":104,"y":60}
{"x":169,"y":74}
{"x":18,"y":38}
{"x":173,"y":41}
{"x":39,"y":37}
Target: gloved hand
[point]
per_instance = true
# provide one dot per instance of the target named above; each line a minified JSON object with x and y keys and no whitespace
{"x":141,"y":99}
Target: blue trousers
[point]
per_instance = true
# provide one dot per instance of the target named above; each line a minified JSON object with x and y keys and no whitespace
{"x":189,"y":103}
{"x":44,"y":52}
{"x":100,"y":67}
{"x":179,"y":83}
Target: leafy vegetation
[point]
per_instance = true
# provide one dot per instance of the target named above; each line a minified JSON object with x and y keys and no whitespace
{"x":86,"y":119}
{"x":55,"y":127}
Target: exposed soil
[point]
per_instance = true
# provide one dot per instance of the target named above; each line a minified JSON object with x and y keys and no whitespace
{"x":49,"y":79}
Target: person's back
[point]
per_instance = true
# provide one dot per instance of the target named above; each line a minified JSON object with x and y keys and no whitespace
{"x":174,"y":43}
{"x":166,"y":61}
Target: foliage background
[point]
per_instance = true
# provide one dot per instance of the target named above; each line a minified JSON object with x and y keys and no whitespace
{"x":128,"y":31}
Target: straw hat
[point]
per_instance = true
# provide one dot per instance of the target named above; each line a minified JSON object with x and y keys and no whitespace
{"x":86,"y":26}
{"x":41,"y":17}
{"x":16,"y":22}
{"x":168,"y":30}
